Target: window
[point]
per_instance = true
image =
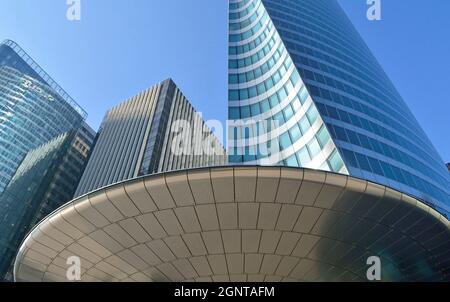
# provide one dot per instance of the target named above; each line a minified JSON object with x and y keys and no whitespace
{"x":292,"y":161}
{"x":335,"y":161}
{"x":312,"y":114}
{"x":314,"y":147}
{"x":279,"y":118}
{"x":295,"y":77}
{"x":323,"y":136}
{"x":252,"y":92}
{"x":255,"y":109}
{"x":233,"y":95}
{"x":295,"y":133}
{"x":265,"y":106}
{"x":296,"y":105}
{"x":303,"y":94}
{"x":288,"y":113}
{"x":273,"y":101}
{"x":233,"y":79}
{"x":261,"y":88}
{"x":350,"y":158}
{"x":304,"y":125}
{"x":285,"y":141}
{"x":304,"y":157}
{"x":234,"y":113}
{"x":363,"y":162}
{"x":282,"y":94}
{"x":243,"y":94}
{"x":245,"y":112}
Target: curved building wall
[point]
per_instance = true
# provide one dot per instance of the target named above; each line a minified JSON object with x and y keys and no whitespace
{"x":373,"y":128}
{"x":268,"y":96}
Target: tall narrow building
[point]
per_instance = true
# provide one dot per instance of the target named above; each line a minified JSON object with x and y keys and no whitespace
{"x":302,"y":65}
{"x":155,"y":131}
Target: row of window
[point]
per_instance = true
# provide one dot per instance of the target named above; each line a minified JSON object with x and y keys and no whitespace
{"x":375,"y":166}
{"x":240,"y":49}
{"x":251,"y":32}
{"x":378,"y":129}
{"x":241,"y":14}
{"x":238,"y":5}
{"x":360,"y":106}
{"x":374,"y":145}
{"x":289,"y":138}
{"x":321,"y":40}
{"x":338,"y":74}
{"x":360,"y":90}
{"x":259,"y":71}
{"x":267,"y":85}
{"x":247,"y":22}
{"x":301,"y":158}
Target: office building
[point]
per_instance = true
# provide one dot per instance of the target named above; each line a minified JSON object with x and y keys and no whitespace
{"x":39,"y":171}
{"x":33,"y":109}
{"x":138,"y":138}
{"x":302,"y":64}
{"x":329,"y":169}
{"x":45,"y":180}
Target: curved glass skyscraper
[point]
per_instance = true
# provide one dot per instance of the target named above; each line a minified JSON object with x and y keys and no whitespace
{"x":301,"y":69}
{"x":33,"y":109}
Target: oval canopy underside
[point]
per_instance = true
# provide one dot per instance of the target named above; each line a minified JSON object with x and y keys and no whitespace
{"x":240,"y":224}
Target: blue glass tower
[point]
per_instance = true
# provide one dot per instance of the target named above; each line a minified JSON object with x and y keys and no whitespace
{"x":44,"y":146}
{"x":33,"y":109}
{"x":302,"y":65}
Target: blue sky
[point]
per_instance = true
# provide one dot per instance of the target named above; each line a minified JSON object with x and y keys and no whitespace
{"x":121,"y":47}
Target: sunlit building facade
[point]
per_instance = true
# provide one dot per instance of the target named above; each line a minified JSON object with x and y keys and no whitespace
{"x":157,"y":130}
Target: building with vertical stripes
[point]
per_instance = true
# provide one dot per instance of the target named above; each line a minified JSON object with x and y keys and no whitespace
{"x":138,"y":137}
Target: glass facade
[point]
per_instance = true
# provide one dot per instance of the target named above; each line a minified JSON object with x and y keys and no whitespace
{"x":44,"y":147}
{"x":33,"y":109}
{"x":267,"y":93}
{"x":45,"y":180}
{"x":304,"y":58}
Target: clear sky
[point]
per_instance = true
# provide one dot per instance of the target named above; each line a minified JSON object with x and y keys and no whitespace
{"x":121,"y":47}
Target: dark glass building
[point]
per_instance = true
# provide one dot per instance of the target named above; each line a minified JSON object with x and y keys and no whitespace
{"x":45,"y":180}
{"x":302,"y":64}
{"x":137,"y":138}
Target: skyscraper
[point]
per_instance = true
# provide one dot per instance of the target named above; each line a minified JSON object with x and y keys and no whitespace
{"x":265,"y":217}
{"x":44,"y":146}
{"x":137,"y":138}
{"x":45,"y":180}
{"x":302,"y":64}
{"x":33,"y":109}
